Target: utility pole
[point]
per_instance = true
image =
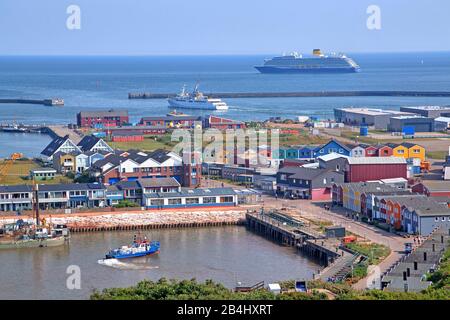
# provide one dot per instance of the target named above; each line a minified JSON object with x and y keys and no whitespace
{"x":36,"y":202}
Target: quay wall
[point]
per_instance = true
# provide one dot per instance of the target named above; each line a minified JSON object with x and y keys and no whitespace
{"x":91,"y":222}
{"x":148,"y":95}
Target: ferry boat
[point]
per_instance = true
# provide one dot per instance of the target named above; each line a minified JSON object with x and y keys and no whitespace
{"x":13,"y":128}
{"x":315,"y":63}
{"x":138,"y":248}
{"x":24,"y":235}
{"x":196,"y":100}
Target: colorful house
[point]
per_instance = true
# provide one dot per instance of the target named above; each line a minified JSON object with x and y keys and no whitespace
{"x":371,"y":151}
{"x":333,"y":146}
{"x":399,"y":150}
{"x":414,"y":150}
{"x":385,"y":151}
{"x":423,"y":216}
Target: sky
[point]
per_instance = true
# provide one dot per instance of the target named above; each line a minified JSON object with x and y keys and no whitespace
{"x":210,"y":27}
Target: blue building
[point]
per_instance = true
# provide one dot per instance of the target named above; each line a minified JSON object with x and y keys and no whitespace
{"x":333,"y":146}
{"x":307,"y":152}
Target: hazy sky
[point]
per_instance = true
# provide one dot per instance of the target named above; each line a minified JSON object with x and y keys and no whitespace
{"x":130,"y":27}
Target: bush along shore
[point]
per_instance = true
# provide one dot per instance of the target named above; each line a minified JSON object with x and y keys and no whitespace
{"x":317,"y":290}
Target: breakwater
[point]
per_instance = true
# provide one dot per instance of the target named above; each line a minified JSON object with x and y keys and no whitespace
{"x":149,"y":95}
{"x":45,"y":102}
{"x":146,"y":220}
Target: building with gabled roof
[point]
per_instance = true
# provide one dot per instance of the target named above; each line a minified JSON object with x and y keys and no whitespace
{"x":93,"y":144}
{"x":59,"y":144}
{"x":133,"y":165}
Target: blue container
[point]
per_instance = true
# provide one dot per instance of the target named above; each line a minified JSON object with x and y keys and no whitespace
{"x":408,"y":130}
{"x":364,"y":131}
{"x":416,"y":169}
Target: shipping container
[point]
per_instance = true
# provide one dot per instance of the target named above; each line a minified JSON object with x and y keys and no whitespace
{"x":408,"y":130}
{"x":363,"y":131}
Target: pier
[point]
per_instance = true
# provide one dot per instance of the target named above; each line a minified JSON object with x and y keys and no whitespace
{"x":149,"y":95}
{"x":45,"y":102}
{"x":285,"y":230}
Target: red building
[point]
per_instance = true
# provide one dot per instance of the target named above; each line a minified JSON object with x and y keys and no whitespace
{"x":127,"y":136}
{"x":101,"y":119}
{"x":385,"y":151}
{"x":371,"y":151}
{"x":223,"y":123}
{"x":433,"y":188}
{"x":360,"y":169}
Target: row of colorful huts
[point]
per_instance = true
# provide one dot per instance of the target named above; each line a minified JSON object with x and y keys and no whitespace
{"x":405,"y":150}
{"x":418,"y":210}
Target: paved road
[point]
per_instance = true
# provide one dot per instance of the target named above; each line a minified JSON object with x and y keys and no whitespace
{"x":308,"y":209}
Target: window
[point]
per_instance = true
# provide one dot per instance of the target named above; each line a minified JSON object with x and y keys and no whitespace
{"x":192,"y":200}
{"x":157,"y":202}
{"x":436,"y":219}
{"x":324,"y":180}
{"x":416,"y":150}
{"x":400,"y":151}
{"x":443,"y":219}
{"x":226,"y":199}
{"x":209,"y":199}
{"x":174,"y":201}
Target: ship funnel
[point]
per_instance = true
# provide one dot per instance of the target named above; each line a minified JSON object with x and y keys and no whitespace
{"x":317,"y":52}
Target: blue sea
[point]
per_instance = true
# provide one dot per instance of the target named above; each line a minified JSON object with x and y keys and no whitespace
{"x":88,"y":83}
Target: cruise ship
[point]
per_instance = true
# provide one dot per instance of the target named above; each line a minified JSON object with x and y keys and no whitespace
{"x":196,"y":100}
{"x":315,"y":63}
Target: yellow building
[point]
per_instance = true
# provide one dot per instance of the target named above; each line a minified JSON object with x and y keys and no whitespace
{"x":399,"y":150}
{"x":415,"y":151}
{"x":408,"y":150}
{"x":64,"y":162}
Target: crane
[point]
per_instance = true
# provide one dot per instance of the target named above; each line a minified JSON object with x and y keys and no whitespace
{"x":7,"y":163}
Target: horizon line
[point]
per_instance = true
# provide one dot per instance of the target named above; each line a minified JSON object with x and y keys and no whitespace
{"x":204,"y":54}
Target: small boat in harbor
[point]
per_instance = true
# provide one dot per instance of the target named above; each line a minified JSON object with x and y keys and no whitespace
{"x":22,"y":234}
{"x":139,"y":248}
{"x":196,"y":100}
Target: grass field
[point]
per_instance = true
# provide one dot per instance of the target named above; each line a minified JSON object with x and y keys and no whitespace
{"x":19,"y":171}
{"x":303,"y":138}
{"x":150,"y":143}
{"x":438,"y":155}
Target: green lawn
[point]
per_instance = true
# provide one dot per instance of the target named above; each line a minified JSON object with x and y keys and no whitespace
{"x":438,"y":155}
{"x":303,"y":138}
{"x":150,"y":143}
{"x":19,"y":171}
{"x":375,"y":252}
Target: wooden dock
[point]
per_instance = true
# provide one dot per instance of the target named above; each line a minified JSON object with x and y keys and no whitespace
{"x":286,"y":230}
{"x":150,"y":95}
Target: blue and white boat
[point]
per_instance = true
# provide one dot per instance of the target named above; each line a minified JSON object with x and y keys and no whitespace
{"x":196,"y":100}
{"x":315,"y":63}
{"x":137,"y":249}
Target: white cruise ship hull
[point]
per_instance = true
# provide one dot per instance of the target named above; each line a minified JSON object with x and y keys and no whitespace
{"x":200,"y":105}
